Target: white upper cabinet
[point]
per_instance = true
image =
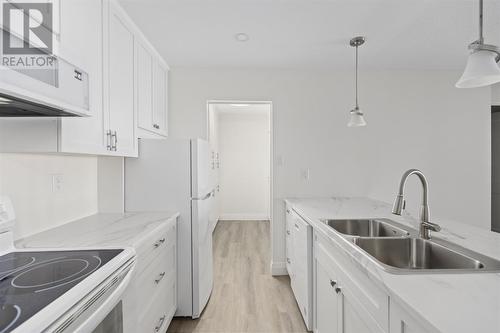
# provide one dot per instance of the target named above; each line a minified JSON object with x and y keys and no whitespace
{"x":128,"y":83}
{"x":151,"y":91}
{"x":119,"y":94}
{"x":80,"y":43}
{"x":160,"y":108}
{"x":144,"y":82}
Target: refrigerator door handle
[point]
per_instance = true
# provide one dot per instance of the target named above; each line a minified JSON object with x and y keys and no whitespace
{"x":208,"y":195}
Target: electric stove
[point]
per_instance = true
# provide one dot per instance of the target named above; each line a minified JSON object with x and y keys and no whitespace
{"x":29,"y":281}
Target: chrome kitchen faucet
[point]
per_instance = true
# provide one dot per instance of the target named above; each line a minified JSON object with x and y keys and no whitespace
{"x":399,"y":204}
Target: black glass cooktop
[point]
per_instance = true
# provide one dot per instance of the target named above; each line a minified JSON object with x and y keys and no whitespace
{"x":29,"y":281}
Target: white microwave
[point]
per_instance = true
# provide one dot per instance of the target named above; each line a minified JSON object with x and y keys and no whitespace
{"x":60,"y":91}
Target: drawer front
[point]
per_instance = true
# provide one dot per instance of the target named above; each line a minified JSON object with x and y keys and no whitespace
{"x":152,"y":246}
{"x":160,"y":312}
{"x":374,"y":300}
{"x":154,"y":277}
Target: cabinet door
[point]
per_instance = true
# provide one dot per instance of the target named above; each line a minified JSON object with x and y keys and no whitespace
{"x":160,"y":108}
{"x":327,"y":302}
{"x":80,"y":43}
{"x":144,"y":89}
{"x":289,"y":244}
{"x":354,"y":318}
{"x":120,"y":80}
{"x":403,"y":322}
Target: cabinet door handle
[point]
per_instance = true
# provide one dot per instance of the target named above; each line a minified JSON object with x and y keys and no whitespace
{"x":108,"y":139}
{"x":288,"y":232}
{"x":338,"y":289}
{"x":297,"y":226}
{"x":159,"y":242}
{"x":113,"y":140}
{"x":288,"y":211}
{"x":116,"y":140}
{"x":333,"y":283}
{"x":288,"y":260}
{"x":156,"y":126}
{"x":160,"y":323}
{"x":160,"y":277}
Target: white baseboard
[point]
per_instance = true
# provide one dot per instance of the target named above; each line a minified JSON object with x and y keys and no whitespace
{"x":278,"y":268}
{"x":242,"y":217}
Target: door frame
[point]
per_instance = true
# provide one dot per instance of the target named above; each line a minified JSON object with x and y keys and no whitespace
{"x":271,"y":153}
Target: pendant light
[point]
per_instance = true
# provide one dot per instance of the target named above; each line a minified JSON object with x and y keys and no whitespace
{"x":356,"y":118}
{"x":482,"y":68}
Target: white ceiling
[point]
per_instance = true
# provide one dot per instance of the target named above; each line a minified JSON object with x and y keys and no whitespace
{"x":401,"y":34}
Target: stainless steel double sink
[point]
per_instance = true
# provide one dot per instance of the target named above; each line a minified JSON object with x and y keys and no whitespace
{"x":396,"y":249}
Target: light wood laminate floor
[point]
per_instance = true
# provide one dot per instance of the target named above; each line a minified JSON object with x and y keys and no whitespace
{"x":245,"y":297}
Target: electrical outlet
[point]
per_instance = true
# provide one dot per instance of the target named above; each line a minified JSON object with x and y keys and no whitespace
{"x":57,"y":182}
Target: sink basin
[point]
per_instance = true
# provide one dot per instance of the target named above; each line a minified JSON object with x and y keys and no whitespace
{"x":367,"y":228}
{"x":413,"y":255}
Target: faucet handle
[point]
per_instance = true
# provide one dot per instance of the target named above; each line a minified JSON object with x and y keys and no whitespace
{"x":431,"y":226}
{"x":426,"y":227}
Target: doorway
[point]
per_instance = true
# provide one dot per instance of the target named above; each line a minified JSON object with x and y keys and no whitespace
{"x":240,"y":135}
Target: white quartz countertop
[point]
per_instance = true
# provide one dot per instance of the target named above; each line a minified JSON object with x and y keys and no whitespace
{"x":127,"y":229}
{"x":448,"y":302}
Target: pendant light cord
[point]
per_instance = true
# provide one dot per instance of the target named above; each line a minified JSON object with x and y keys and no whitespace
{"x":481,"y":39}
{"x":357,"y":106}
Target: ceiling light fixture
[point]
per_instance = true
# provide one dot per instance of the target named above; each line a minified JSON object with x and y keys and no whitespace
{"x":241,"y":37}
{"x":356,"y":118}
{"x":482,"y":68}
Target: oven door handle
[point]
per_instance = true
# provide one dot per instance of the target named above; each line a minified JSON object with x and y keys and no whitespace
{"x":79,"y":319}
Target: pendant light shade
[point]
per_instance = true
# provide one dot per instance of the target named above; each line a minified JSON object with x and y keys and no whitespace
{"x":356,"y":117}
{"x":482,"y":68}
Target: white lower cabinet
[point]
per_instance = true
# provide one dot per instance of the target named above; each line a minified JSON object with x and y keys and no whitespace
{"x":299,"y":263}
{"x":345,"y":301}
{"x":151,"y":299}
{"x":403,"y":322}
{"x":327,"y":302}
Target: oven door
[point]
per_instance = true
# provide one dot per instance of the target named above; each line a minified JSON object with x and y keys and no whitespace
{"x":101,"y":310}
{"x":113,"y":323}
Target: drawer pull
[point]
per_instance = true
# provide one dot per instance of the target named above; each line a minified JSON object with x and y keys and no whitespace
{"x":160,"y":324}
{"x":159,"y":242}
{"x":160,"y":277}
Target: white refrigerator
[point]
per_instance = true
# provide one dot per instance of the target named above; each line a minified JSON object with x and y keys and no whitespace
{"x":176,"y":175}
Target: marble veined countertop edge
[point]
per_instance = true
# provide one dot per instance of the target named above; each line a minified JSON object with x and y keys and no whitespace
{"x":101,"y":229}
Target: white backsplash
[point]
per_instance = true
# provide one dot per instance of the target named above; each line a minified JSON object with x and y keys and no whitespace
{"x":48,"y":190}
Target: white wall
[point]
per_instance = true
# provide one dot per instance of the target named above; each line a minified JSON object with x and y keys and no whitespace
{"x":27,"y":179}
{"x":415,"y":119}
{"x":244,"y":147}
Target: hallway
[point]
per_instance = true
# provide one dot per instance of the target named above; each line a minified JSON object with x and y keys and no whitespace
{"x":245,"y":297}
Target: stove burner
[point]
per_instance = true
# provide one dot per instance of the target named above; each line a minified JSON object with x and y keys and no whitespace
{"x":9,"y":314}
{"x":55,"y":273}
{"x":13,"y":264}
